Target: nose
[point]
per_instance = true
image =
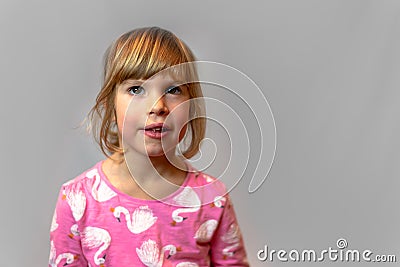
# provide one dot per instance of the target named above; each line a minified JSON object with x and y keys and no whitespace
{"x":159,"y":107}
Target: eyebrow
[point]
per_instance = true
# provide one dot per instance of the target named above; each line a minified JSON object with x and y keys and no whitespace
{"x":128,"y":81}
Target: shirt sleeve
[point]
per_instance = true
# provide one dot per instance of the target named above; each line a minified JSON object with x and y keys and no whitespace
{"x":227,"y":246}
{"x":65,"y":242}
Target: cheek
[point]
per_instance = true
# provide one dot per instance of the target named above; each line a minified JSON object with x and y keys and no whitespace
{"x":125,"y":116}
{"x":181,"y":117}
{"x":130,"y":121}
{"x":120,"y":117}
{"x":120,"y":121}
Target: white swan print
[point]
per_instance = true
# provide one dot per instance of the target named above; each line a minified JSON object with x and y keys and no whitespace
{"x":206,"y":231}
{"x":190,"y":202}
{"x":74,"y":231}
{"x":232,"y":238}
{"x":227,"y":252}
{"x":94,"y":237}
{"x":219,"y":202}
{"x":54,"y":260}
{"x":209,"y":179}
{"x":76,"y":199}
{"x":100,"y":190}
{"x":187,"y":264}
{"x":142,"y":218}
{"x":54,"y":224}
{"x":68,"y":182}
{"x":149,"y":253}
{"x":232,"y":235}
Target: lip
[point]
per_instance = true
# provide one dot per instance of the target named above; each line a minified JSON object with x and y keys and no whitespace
{"x":156,"y":125}
{"x":153,"y":134}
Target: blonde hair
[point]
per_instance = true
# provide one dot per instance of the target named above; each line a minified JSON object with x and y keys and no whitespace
{"x":140,"y":54}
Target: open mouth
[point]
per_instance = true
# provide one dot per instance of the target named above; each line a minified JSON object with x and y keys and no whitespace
{"x":156,"y":129}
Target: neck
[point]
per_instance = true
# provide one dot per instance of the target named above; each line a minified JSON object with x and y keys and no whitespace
{"x":159,"y":176}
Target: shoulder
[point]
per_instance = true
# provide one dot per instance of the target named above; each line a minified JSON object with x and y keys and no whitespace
{"x":209,"y":188}
{"x":85,"y":179}
{"x":203,"y":179}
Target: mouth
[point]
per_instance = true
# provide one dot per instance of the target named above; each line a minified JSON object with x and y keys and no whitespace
{"x":156,"y":130}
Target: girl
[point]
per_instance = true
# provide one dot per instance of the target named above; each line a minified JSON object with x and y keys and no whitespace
{"x":144,"y":205}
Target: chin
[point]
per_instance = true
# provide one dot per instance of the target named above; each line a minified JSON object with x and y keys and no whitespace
{"x":155,"y":153}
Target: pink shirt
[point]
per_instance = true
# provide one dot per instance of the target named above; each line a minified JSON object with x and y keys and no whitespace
{"x":94,"y":224}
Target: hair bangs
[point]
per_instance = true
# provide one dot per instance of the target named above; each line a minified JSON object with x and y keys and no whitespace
{"x":148,"y":54}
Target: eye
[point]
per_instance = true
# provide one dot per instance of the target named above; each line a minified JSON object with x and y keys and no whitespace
{"x":175,"y":90}
{"x":136,"y":90}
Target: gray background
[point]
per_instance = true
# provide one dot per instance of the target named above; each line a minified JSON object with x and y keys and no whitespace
{"x":330,"y":71}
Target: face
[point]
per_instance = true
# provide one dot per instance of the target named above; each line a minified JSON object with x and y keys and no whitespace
{"x":152,"y":115}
